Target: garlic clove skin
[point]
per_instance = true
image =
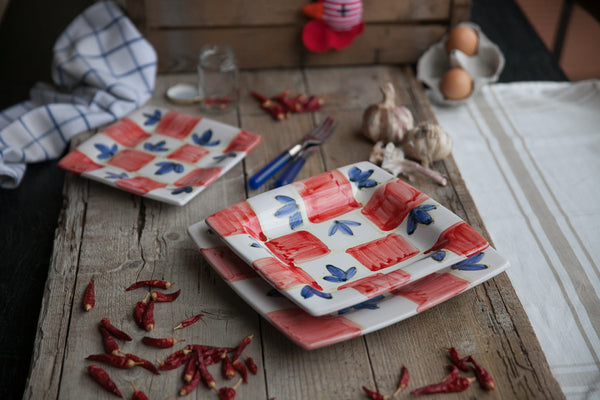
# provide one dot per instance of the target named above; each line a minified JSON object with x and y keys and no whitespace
{"x":385,"y":121}
{"x":427,"y":143}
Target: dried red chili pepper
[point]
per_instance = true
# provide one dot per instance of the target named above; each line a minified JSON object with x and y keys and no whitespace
{"x":143,"y":362}
{"x":456,"y":359}
{"x":483,"y":377}
{"x":162,"y":343}
{"x":119,"y":334}
{"x":173,"y":363}
{"x":274,"y":109}
{"x":241,"y":368}
{"x":191,"y":385}
{"x":240,"y":347}
{"x":189,"y":321}
{"x":264,"y":101}
{"x":140,"y":310}
{"x":148,"y":317}
{"x":89,"y":297}
{"x":190,"y":368}
{"x":179,"y":354}
{"x":374,"y":395}
{"x":403,"y":382}
{"x":207,"y":378}
{"x":314,"y":103}
{"x":289,"y":104}
{"x":227,"y":393}
{"x":226,"y":367}
{"x":110,"y":346}
{"x":251,"y":365}
{"x":160,"y":297}
{"x":458,"y":384}
{"x":151,"y":283}
{"x":115,"y":361}
{"x":138,"y":394}
{"x":100,"y":376}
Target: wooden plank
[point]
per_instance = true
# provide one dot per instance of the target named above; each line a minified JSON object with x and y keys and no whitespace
{"x":267,"y":47}
{"x":240,"y":13}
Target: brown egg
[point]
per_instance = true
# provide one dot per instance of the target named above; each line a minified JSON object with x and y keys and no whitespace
{"x":456,"y":84}
{"x":462,"y":38}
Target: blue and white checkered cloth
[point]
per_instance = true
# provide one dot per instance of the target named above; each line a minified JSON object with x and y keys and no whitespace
{"x":104,"y":70}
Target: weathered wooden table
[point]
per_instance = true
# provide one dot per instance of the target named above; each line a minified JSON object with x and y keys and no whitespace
{"x":118,"y":238}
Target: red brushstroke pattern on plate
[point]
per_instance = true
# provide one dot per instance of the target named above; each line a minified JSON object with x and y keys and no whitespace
{"x":228,"y":265}
{"x":78,"y":163}
{"x":237,"y":219}
{"x":200,"y":177}
{"x":281,"y":275}
{"x":139,"y":185}
{"x":243,"y":141}
{"x":126,"y":132}
{"x":374,"y":285}
{"x":131,"y":160}
{"x":391,"y":203}
{"x":382,"y":253}
{"x":188,"y":153}
{"x":312,"y":332}
{"x":461,"y":239}
{"x":297,"y":247}
{"x":176,"y":124}
{"x":432,"y":290}
{"x":326,"y":196}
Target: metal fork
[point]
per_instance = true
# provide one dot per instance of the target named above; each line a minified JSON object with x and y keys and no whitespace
{"x":317,"y":136}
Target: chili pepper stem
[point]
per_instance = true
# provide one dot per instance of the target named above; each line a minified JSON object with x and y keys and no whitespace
{"x":403,"y":383}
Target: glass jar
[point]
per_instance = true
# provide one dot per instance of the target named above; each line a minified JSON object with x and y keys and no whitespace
{"x":217,"y":78}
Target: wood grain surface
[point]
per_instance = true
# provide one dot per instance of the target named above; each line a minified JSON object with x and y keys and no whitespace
{"x":117,"y":238}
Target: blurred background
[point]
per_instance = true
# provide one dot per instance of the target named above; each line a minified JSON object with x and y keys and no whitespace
{"x":28,"y":29}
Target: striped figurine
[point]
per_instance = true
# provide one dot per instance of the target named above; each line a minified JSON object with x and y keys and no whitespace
{"x":335,"y":24}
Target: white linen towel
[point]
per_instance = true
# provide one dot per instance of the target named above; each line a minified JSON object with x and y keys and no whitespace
{"x":104,"y":69}
{"x":530,"y":156}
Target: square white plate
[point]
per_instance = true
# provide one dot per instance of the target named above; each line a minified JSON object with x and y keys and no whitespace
{"x":160,"y":154}
{"x":310,"y":332}
{"x":343,"y":237}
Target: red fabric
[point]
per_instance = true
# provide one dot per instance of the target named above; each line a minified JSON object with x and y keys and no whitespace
{"x":318,"y":37}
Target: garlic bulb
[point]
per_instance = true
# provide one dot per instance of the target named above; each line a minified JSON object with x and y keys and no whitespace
{"x":394,"y":162}
{"x":427,"y":143}
{"x":385,"y":121}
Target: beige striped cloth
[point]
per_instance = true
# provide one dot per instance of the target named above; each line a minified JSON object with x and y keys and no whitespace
{"x":529,"y":153}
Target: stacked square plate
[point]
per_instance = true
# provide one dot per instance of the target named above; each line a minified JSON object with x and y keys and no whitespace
{"x":344,"y":253}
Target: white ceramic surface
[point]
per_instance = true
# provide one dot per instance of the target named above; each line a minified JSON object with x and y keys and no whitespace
{"x":312,"y":332}
{"x":343,"y":237}
{"x":160,"y":154}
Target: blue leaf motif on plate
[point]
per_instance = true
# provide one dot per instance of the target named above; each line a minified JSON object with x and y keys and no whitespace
{"x":471,"y":263}
{"x":289,"y":209}
{"x":105,"y":151}
{"x":204,"y":140}
{"x":361,"y":178}
{"x":152,"y":119}
{"x":308,"y":291}
{"x":338,"y":274}
{"x":371,"y":304}
{"x":419,"y":215}
{"x":438,"y":255}
{"x":224,"y":156}
{"x":112,"y":175}
{"x":158,"y":147}
{"x":343,"y":226}
{"x":168,"y":166}
{"x":183,"y":189}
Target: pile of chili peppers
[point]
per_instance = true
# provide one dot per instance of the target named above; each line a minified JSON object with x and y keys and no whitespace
{"x":452,"y":382}
{"x":195,"y":357}
{"x":279,"y":107}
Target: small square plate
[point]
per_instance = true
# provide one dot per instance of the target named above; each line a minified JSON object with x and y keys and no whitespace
{"x":160,"y":154}
{"x":310,"y":332}
{"x":343,"y":237}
